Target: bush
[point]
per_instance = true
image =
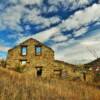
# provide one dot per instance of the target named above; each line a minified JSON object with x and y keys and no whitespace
{"x":3,"y":63}
{"x":97,"y":77}
{"x":19,"y":68}
{"x":76,"y":79}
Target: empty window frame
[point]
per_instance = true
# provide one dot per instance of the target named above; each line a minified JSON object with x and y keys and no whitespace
{"x":58,"y":73}
{"x":23,"y":62}
{"x":23,"y":50}
{"x":38,"y":50}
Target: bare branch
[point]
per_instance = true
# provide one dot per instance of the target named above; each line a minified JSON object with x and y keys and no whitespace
{"x":92,"y":51}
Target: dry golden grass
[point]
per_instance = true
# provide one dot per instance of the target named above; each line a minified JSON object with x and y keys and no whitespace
{"x":15,"y":86}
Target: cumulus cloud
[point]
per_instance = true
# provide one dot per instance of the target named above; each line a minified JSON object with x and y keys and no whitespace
{"x":90,"y":43}
{"x":77,"y":53}
{"x":25,"y":2}
{"x":69,"y":4}
{"x":3,"y":48}
{"x":80,"y":32}
{"x":45,"y":22}
{"x":60,"y":38}
{"x":82,"y":18}
{"x":42,"y":36}
{"x":74,"y":54}
{"x":15,"y":36}
{"x":12,"y":16}
{"x":83,"y":50}
{"x":52,"y":8}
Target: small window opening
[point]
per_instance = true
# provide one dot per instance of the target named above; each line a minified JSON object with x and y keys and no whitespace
{"x":24,"y":50}
{"x":23,"y":62}
{"x":58,"y":73}
{"x":84,"y":76}
{"x":38,"y":50}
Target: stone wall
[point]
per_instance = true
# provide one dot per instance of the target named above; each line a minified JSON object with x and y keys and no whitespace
{"x":45,"y":60}
{"x":66,"y":68}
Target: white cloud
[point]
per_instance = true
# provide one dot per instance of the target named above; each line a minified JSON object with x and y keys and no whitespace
{"x":79,"y":19}
{"x":42,"y":36}
{"x":90,"y":43}
{"x":80,"y":51}
{"x":52,"y":8}
{"x":80,"y":32}
{"x":33,"y":17}
{"x":11,"y":17}
{"x":15,"y":36}
{"x":14,"y":1}
{"x":3,"y":48}
{"x":45,"y":35}
{"x":24,"y":2}
{"x":69,"y":4}
{"x":82,"y":18}
{"x":60,"y":38}
{"x":75,"y":54}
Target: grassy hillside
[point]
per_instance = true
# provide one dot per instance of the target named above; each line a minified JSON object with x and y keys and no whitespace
{"x":15,"y":86}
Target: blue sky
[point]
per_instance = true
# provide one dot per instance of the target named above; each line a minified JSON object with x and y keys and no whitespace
{"x":70,"y":27}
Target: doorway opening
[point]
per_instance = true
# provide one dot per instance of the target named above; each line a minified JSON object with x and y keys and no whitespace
{"x":39,"y":71}
{"x":84,"y":76}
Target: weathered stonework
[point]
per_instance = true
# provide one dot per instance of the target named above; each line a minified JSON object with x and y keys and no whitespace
{"x":45,"y":62}
{"x":94,"y":70}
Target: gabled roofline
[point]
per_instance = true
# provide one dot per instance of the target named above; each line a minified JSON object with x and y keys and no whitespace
{"x":28,"y":40}
{"x":92,"y":62}
{"x":59,"y":61}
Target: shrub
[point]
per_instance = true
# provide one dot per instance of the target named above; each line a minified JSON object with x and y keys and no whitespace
{"x":19,"y":68}
{"x":97,"y":77}
{"x":3,"y":63}
{"x":76,"y":78}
